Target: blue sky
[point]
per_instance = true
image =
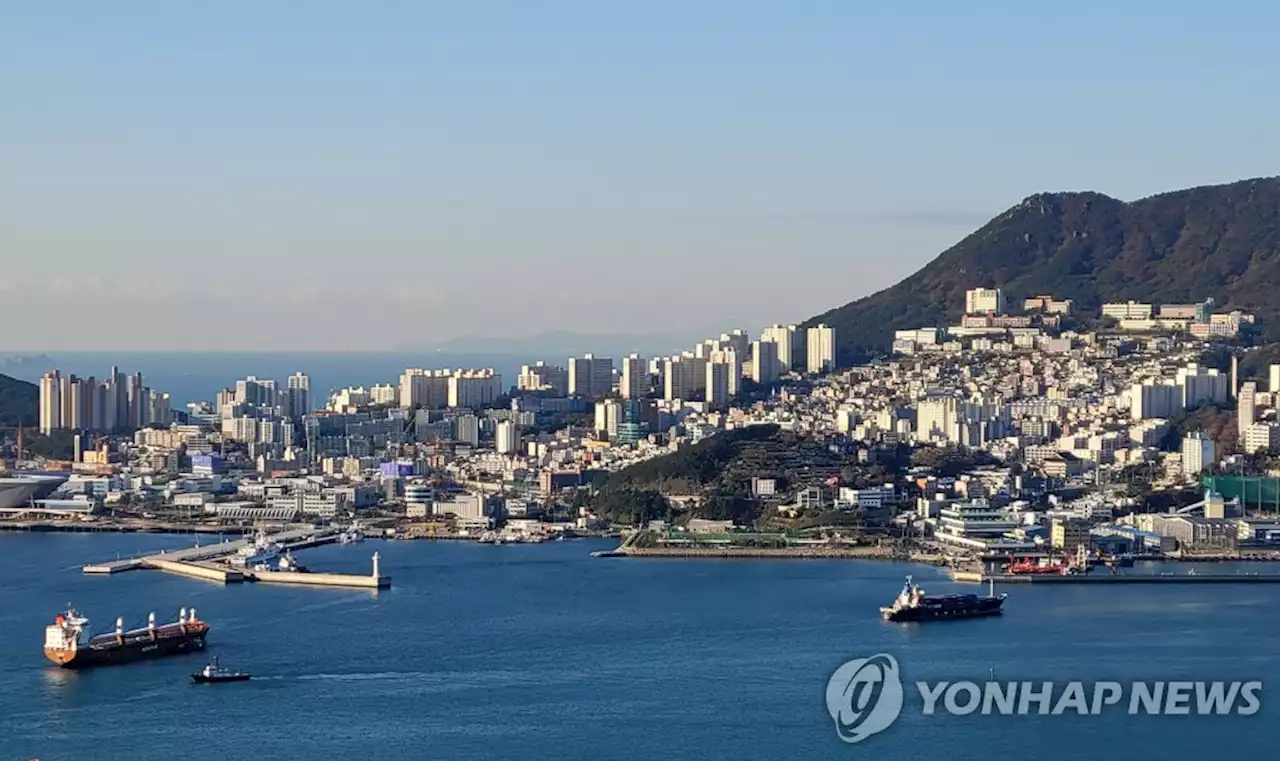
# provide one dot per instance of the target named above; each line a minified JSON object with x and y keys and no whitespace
{"x":370,"y":175}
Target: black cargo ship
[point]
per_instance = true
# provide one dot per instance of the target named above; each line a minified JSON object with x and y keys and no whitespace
{"x":914,"y":605}
{"x":65,"y":642}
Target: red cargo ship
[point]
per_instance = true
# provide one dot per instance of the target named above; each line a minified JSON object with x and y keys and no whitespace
{"x":1027,"y":567}
{"x":66,"y":645}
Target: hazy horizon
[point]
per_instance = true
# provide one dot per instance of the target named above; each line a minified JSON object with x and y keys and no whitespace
{"x":341,"y":177}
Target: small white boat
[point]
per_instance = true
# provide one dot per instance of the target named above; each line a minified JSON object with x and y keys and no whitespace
{"x":290,"y":564}
{"x":354,"y":534}
{"x":260,"y":550}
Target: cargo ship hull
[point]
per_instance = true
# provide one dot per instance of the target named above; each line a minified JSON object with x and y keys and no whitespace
{"x":913,"y":604}
{"x":138,"y":645}
{"x":980,"y":608}
{"x":109,"y":656}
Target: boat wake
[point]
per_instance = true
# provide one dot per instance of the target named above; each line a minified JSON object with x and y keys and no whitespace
{"x":370,"y":677}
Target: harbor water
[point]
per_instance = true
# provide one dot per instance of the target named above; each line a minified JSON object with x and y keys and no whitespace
{"x":541,"y":652}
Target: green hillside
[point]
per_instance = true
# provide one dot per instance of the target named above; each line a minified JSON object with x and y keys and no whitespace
{"x":1221,"y":241}
{"x":19,"y":402}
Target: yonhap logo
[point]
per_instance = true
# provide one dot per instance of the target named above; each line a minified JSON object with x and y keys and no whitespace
{"x":864,"y":696}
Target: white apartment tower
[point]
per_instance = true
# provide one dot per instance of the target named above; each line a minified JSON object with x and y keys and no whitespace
{"x":473,"y":388}
{"x":1245,"y":407}
{"x":786,"y":338}
{"x":1155,"y":400}
{"x":424,"y":388}
{"x":507,"y":438}
{"x":543,"y":377}
{"x":634,"y":383}
{"x":50,"y":402}
{"x":1197,"y":453}
{"x":608,"y":416}
{"x":822,"y":349}
{"x":718,"y":372}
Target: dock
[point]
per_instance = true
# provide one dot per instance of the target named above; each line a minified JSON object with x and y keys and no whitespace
{"x":1120,"y":578}
{"x":208,"y":562}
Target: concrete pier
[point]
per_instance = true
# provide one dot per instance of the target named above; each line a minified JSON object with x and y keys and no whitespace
{"x":117,"y":566}
{"x":373,"y":581}
{"x":208,"y":563}
{"x":295,"y":539}
{"x":208,"y":571}
{"x":321,"y":579}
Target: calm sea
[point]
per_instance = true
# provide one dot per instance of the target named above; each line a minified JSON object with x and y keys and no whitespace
{"x":540,"y":652}
{"x":190,"y":376}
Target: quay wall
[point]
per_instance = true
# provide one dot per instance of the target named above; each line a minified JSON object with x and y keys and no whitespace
{"x":195,"y":570}
{"x":1128,"y":578}
{"x":865,"y":553}
{"x":321,"y":579}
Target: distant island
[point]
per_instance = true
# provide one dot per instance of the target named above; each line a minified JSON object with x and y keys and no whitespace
{"x":566,"y":343}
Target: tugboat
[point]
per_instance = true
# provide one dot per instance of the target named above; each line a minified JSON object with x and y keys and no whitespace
{"x":215,"y":674}
{"x":913,"y":605}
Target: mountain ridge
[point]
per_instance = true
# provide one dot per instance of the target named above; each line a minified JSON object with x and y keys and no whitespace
{"x":1177,"y":246}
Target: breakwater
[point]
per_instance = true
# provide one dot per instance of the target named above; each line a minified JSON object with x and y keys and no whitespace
{"x":861,"y":553}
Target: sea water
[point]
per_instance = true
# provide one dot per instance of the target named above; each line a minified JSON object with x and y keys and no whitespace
{"x":542,"y":652}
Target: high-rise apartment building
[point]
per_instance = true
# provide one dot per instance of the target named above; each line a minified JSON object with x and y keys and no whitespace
{"x":115,"y":404}
{"x":684,"y":377}
{"x":634,"y":382}
{"x":50,"y":402}
{"x":428,"y":389}
{"x":590,"y":376}
{"x":474,"y":388}
{"x":543,"y":377}
{"x":787,"y":338}
{"x":1246,"y":403}
{"x":1202,"y":384}
{"x":1197,"y":453}
{"x":821,"y":349}
{"x":718,"y":380}
{"x":507,"y":437}
{"x":466,"y":429}
{"x":384,"y":393}
{"x":299,"y":396}
{"x":764,"y":361}
{"x":608,"y":417}
{"x":738,"y":340}
{"x":1155,"y":400}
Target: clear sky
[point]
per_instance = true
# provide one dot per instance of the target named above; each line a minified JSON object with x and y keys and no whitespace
{"x":366,"y":175}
